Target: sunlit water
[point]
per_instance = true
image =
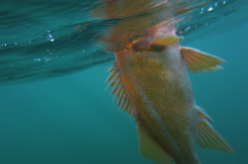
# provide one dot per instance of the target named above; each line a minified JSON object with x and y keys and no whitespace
{"x":72,"y":119}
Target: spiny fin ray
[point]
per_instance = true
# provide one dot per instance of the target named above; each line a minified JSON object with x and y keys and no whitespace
{"x":119,"y":90}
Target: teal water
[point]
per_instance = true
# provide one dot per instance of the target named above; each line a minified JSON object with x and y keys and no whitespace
{"x":71,"y":119}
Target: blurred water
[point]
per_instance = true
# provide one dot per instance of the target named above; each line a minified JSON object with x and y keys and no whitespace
{"x":72,"y":119}
{"x":42,"y":39}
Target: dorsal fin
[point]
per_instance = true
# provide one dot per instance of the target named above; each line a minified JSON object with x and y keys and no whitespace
{"x":207,"y":137}
{"x":198,"y":61}
{"x":119,"y":90}
{"x":151,"y":150}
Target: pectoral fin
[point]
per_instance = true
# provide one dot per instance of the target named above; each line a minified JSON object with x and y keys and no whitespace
{"x":151,"y":150}
{"x":207,"y":137}
{"x":198,"y":61}
{"x":164,"y":40}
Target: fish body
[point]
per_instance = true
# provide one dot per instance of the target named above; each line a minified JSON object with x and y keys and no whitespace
{"x":152,"y":84}
{"x":162,"y":100}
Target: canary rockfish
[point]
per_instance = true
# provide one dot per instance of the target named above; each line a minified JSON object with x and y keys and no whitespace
{"x":150,"y":80}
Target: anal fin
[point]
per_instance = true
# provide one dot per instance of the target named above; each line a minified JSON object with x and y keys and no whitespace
{"x":198,"y":61}
{"x":151,"y":150}
{"x":207,"y":137}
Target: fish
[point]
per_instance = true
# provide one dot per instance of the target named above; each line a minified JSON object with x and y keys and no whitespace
{"x":151,"y":82}
{"x":150,"y":78}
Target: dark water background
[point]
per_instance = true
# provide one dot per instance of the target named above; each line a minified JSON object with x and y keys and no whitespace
{"x":71,"y":118}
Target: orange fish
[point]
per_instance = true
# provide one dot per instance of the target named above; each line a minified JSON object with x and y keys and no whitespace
{"x":150,"y":80}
